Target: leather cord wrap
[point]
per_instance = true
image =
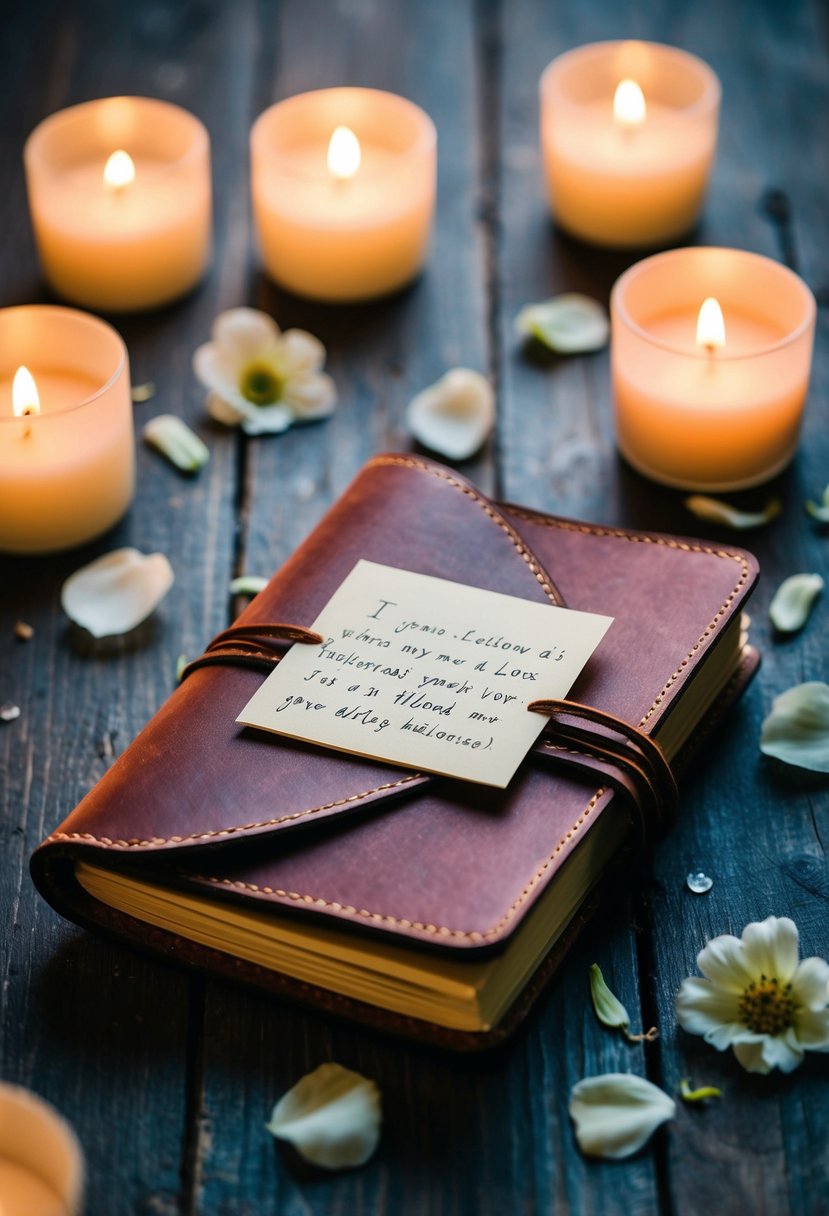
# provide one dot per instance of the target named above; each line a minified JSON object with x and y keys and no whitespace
{"x":598,"y":744}
{"x":252,"y":645}
{"x":646,"y":775}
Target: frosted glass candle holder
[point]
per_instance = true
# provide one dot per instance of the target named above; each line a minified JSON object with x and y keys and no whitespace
{"x":710,"y":418}
{"x":120,"y":244}
{"x":636,"y":178}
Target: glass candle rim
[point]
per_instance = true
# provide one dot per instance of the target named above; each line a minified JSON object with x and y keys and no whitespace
{"x":707,"y":102}
{"x":423,"y":143}
{"x":37,"y":160}
{"x":92,"y":322}
{"x":723,"y":355}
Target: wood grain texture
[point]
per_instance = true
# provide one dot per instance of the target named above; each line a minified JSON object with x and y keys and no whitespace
{"x":170,"y":1078}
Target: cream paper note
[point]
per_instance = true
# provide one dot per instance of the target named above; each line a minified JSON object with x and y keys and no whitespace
{"x":426,"y":673}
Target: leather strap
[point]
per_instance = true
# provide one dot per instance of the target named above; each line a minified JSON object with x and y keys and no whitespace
{"x":634,"y":764}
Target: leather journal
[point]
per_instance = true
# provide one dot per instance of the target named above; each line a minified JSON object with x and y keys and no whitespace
{"x":427,"y":905}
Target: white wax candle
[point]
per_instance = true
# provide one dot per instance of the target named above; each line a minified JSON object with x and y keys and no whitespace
{"x":636,"y":181}
{"x":67,"y":472}
{"x":352,"y":236}
{"x":710,"y":419}
{"x":130,"y":247}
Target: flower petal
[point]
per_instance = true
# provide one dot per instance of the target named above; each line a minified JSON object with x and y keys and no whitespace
{"x":116,"y":592}
{"x":222,"y":410}
{"x":812,"y":1028}
{"x":720,"y":512}
{"x":174,"y":439}
{"x":300,"y":351}
{"x":616,"y":1114}
{"x":702,"y":1008}
{"x":267,"y":420}
{"x":771,"y":947}
{"x":568,"y":324}
{"x":609,"y":1009}
{"x":454,"y":415}
{"x":792,"y":601}
{"x":243,"y":333}
{"x":750,"y":1055}
{"x":211,"y":368}
{"x":723,"y":962}
{"x":810,"y":985}
{"x":782,"y":1051}
{"x":797,"y":729}
{"x":331,"y":1117}
{"x":310,"y":395}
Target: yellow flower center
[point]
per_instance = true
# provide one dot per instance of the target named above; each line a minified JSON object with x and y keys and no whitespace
{"x":260,"y":384}
{"x":766,"y":1006}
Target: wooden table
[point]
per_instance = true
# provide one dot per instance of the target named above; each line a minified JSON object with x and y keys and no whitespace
{"x":168,"y":1076}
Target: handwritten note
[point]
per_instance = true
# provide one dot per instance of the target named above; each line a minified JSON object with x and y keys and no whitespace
{"x":426,"y":673}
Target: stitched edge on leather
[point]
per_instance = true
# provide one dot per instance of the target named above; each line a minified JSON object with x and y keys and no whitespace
{"x":471,"y":935}
{"x":245,"y":827}
{"x":668,"y":543}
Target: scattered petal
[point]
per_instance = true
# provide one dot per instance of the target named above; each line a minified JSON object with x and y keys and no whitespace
{"x":454,"y":415}
{"x":719,"y":512}
{"x":262,"y":378}
{"x":248,"y":584}
{"x":617,"y":1113}
{"x":331,"y":1117}
{"x":8,"y":712}
{"x":609,"y":1009}
{"x":569,"y":324}
{"x":181,"y":663}
{"x":792,"y":601}
{"x":820,"y":511}
{"x":797,"y":729}
{"x":143,"y":392}
{"x":23,"y":632}
{"x":174,"y":439}
{"x":757,"y":999}
{"x":116,"y":592}
{"x":702,"y":1094}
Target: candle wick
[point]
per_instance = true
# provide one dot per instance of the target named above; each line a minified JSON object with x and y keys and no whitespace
{"x":28,"y":412}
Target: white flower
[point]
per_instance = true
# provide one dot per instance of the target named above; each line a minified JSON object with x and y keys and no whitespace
{"x":757,"y":998}
{"x":261,"y":377}
{"x":617,"y":1113}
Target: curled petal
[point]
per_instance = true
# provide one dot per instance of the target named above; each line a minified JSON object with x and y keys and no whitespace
{"x":820,"y":510}
{"x":617,"y":1113}
{"x":719,"y":512}
{"x":792,"y":601}
{"x":568,"y":324}
{"x":247,"y":584}
{"x":310,"y":395}
{"x":782,"y":1051}
{"x":242,"y":333}
{"x":331,"y":1117}
{"x":174,"y":439}
{"x":455,"y":414}
{"x":797,"y":729}
{"x":116,"y":592}
{"x":609,"y":1009}
{"x":750,"y":1056}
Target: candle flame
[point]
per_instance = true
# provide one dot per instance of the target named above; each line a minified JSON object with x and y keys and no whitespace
{"x":710,"y":325}
{"x":25,"y":398}
{"x":119,"y":170}
{"x":629,"y":107}
{"x":343,"y":154}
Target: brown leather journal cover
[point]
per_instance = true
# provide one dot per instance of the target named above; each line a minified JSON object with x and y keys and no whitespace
{"x":247,"y":816}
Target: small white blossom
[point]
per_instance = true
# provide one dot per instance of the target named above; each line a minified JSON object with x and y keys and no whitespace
{"x":261,"y":377}
{"x":757,"y":997}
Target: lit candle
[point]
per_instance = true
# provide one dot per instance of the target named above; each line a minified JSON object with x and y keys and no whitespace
{"x":41,"y":1163}
{"x":66,"y":437}
{"x":119,"y":192}
{"x":710,"y":355}
{"x":343,"y":186}
{"x":628,"y":135}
